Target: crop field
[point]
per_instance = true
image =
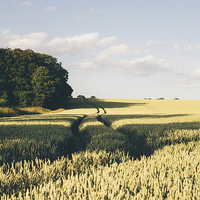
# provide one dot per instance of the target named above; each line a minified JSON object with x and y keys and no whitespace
{"x":31,"y":136}
{"x":130,"y":149}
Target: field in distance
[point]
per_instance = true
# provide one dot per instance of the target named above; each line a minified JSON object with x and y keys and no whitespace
{"x":135,"y":106}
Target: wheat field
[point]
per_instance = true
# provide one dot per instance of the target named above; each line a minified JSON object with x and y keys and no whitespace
{"x":140,"y":149}
{"x":136,"y":106}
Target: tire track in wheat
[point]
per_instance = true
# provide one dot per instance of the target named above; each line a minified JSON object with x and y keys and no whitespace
{"x":98,"y":107}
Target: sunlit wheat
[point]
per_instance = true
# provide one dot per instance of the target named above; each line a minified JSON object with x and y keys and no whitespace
{"x":170,"y":173}
{"x":164,"y":137}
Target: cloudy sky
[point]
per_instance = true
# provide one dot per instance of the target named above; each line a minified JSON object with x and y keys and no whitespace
{"x":113,"y":48}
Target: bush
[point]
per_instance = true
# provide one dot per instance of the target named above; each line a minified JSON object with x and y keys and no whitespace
{"x":2,"y":102}
{"x":80,"y":96}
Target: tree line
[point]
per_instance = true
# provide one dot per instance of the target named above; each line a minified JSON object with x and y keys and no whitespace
{"x":32,"y":79}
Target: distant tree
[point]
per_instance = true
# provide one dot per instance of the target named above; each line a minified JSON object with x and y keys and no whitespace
{"x":80,"y":96}
{"x":92,"y":97}
{"x":176,"y":98}
{"x":28,"y":79}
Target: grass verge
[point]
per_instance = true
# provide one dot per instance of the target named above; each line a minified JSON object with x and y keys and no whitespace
{"x":16,"y":111}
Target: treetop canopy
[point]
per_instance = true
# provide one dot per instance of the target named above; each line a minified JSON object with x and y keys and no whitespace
{"x":32,"y":79}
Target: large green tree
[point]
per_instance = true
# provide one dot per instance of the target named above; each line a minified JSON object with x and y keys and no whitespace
{"x":32,"y":79}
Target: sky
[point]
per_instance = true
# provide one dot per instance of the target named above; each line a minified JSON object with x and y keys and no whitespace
{"x":129,"y":49}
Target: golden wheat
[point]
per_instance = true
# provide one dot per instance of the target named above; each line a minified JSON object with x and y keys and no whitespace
{"x":170,"y":173}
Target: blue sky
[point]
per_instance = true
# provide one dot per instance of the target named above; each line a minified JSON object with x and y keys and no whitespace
{"x":113,"y":49}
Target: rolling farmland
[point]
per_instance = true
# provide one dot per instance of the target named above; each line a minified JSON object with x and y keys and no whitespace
{"x":138,"y":149}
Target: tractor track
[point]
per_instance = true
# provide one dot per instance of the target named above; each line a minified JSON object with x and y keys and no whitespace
{"x":76,"y":142}
{"x":98,"y":107}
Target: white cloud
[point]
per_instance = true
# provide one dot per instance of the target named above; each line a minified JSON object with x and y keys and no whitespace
{"x":50,"y":8}
{"x":189,"y":47}
{"x":106,"y":41}
{"x":145,"y":66}
{"x":86,"y":65}
{"x":104,"y":59}
{"x":151,"y":42}
{"x":186,"y":81}
{"x":4,"y":35}
{"x":5,"y":31}
{"x":30,"y":41}
{"x":197,"y":48}
{"x":74,"y":44}
{"x":194,"y":74}
{"x":67,"y":45}
{"x":190,"y":78}
{"x":109,"y":57}
{"x":26,"y":3}
{"x":176,"y":46}
{"x":114,"y":50}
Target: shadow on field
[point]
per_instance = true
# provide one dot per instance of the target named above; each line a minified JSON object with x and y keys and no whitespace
{"x":42,"y":138}
{"x":144,"y":139}
{"x":79,"y":103}
{"x":26,"y":142}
